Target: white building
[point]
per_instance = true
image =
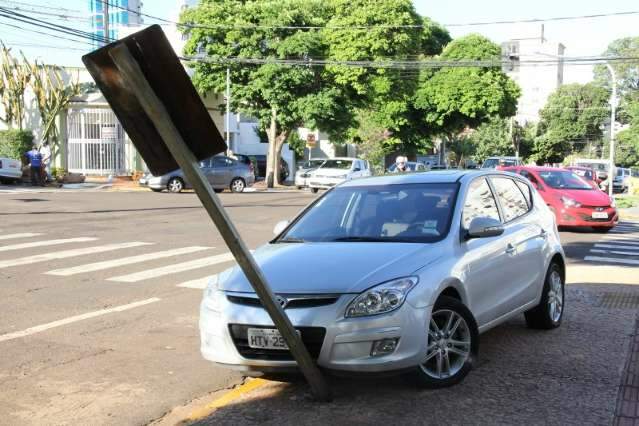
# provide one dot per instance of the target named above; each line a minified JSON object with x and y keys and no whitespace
{"x":537,"y":81}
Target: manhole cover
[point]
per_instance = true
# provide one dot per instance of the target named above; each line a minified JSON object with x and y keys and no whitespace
{"x":29,"y":200}
{"x":619,"y":301}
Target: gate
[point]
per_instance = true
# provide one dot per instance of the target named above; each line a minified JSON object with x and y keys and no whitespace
{"x":96,"y":142}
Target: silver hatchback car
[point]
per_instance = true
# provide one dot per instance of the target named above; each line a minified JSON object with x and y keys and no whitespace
{"x":222,"y":173}
{"x":396,"y":274}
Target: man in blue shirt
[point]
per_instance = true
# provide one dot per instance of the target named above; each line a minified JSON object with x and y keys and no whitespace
{"x":35,"y":163}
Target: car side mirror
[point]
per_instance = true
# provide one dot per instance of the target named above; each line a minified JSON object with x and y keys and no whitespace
{"x":280,"y":227}
{"x":484,"y":227}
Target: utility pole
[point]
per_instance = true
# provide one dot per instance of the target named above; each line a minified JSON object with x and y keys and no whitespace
{"x":105,"y":17}
{"x":228,"y":110}
{"x":613,"y":107}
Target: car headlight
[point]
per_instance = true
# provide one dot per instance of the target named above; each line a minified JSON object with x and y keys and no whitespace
{"x":212,"y":295}
{"x":569,"y":202}
{"x":382,"y":298}
{"x":305,"y":175}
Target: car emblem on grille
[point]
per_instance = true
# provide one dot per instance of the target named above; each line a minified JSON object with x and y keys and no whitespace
{"x":282,"y":301}
{"x":599,"y":209}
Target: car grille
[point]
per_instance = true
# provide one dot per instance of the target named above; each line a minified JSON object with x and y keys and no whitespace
{"x":302,"y":301}
{"x":313,"y":338}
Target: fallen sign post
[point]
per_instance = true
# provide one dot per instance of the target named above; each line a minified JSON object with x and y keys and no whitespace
{"x":125,"y":71}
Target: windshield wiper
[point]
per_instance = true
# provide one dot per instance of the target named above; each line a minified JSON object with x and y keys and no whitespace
{"x":366,"y":239}
{"x":291,"y":240}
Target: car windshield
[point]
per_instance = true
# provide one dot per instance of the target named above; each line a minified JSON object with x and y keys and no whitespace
{"x":417,"y":213}
{"x":311,"y":164}
{"x":563,"y":179}
{"x":409,"y":166}
{"x":587,"y":174}
{"x":491,"y":163}
{"x":337,"y":164}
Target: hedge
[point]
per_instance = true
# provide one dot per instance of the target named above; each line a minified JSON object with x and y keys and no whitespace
{"x":15,"y":143}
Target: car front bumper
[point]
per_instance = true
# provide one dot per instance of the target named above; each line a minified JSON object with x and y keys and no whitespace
{"x":582,"y":216}
{"x":324,"y":183}
{"x":338,"y":343}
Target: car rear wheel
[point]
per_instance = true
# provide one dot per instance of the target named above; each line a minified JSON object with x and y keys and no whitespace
{"x":237,"y":185}
{"x":452,"y":345}
{"x":314,"y":190}
{"x":175,"y":185}
{"x":548,"y":314}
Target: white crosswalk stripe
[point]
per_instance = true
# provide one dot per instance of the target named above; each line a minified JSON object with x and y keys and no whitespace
{"x":22,"y":235}
{"x":617,"y":246}
{"x":172,"y":269}
{"x":198,"y":284}
{"x":46,"y":243}
{"x":618,"y":260}
{"x":98,"y":266}
{"x":27,"y":260}
{"x":625,"y":239}
{"x":624,"y":253}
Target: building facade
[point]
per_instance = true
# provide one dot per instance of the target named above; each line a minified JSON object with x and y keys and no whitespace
{"x":537,"y":81}
{"x":120,"y":13}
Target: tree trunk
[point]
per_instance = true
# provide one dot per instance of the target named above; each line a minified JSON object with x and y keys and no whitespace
{"x":270,"y":158}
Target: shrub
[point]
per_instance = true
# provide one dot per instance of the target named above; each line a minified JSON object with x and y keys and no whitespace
{"x":14,"y":143}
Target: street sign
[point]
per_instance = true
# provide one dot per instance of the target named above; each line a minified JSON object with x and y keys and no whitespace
{"x":310,"y":140}
{"x":169,"y":81}
{"x":148,"y":89}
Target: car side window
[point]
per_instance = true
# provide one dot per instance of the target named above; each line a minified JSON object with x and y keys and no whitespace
{"x":479,"y":202}
{"x":512,"y":201}
{"x":219,"y":162}
{"x":525,"y":189}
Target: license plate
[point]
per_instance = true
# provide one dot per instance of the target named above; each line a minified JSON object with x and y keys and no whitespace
{"x":266,"y":338}
{"x":599,"y":215}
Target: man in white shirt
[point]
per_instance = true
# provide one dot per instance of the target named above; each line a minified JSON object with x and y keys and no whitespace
{"x":45,"y":151}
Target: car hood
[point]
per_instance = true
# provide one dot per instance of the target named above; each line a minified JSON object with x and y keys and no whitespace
{"x":331,"y":172}
{"x":594,"y":197}
{"x":351,"y":267}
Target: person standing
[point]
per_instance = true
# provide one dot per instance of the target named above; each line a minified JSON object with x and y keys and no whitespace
{"x":45,"y":151}
{"x":35,"y":165}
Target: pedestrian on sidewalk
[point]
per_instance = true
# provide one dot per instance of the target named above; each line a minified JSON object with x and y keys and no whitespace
{"x":45,"y":151}
{"x":35,"y":165}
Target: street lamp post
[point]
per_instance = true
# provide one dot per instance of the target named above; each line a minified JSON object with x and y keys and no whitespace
{"x":613,"y":107}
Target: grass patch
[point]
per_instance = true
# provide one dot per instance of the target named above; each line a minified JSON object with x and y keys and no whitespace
{"x":627,"y":201}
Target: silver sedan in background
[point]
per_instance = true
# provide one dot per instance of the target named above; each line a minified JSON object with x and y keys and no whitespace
{"x":222,"y":173}
{"x":398,"y":274}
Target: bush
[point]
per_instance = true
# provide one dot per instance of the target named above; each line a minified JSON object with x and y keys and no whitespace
{"x":15,"y":143}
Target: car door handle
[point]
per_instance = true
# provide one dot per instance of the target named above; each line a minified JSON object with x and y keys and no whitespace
{"x":543,"y":234}
{"x":511,"y":249}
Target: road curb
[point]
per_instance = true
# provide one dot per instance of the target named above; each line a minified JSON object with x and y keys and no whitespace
{"x":226,"y":399}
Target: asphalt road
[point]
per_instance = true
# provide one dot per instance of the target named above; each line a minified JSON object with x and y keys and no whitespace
{"x":100,"y":290}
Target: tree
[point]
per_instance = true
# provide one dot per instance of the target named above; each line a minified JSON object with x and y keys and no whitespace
{"x":627,"y":72}
{"x":282,"y":98}
{"x":14,"y":78}
{"x":572,"y":116}
{"x":452,"y":99}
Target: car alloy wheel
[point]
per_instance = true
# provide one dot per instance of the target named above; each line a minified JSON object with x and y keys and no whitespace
{"x":452,"y":345}
{"x":550,"y":310}
{"x":175,"y":185}
{"x":237,"y":185}
{"x":448,"y":344}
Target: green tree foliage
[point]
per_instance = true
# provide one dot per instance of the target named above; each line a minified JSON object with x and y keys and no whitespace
{"x":572,"y":117}
{"x":627,"y":72}
{"x":453,"y":99}
{"x":627,"y":141}
{"x":14,"y":78}
{"x":281,"y":97}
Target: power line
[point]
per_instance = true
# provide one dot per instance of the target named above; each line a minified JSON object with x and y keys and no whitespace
{"x":41,"y":6}
{"x":49,"y":35}
{"x":55,"y":15}
{"x":363,"y":27}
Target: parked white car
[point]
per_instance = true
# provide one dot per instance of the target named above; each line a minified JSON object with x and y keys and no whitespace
{"x":398,"y":273}
{"x":337,"y":170}
{"x":304,"y":171}
{"x":10,"y":169}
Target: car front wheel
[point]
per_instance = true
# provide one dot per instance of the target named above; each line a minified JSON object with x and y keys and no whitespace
{"x":175,"y":185}
{"x":452,"y":345}
{"x":548,"y":314}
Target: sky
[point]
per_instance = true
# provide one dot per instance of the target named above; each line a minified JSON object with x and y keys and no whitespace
{"x":581,"y":37}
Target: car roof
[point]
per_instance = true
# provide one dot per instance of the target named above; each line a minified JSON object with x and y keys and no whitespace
{"x":536,"y":168}
{"x":506,"y":157}
{"x":440,"y":176}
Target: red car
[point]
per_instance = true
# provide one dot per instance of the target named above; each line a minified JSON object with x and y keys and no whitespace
{"x":573,"y":200}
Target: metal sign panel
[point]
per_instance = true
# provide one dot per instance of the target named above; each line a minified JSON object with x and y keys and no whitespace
{"x":160,"y":65}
